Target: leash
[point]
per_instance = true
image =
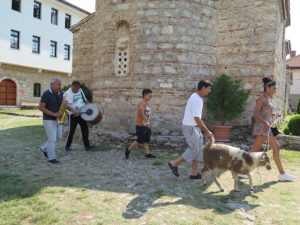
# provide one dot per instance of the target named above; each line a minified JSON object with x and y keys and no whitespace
{"x":267,"y":147}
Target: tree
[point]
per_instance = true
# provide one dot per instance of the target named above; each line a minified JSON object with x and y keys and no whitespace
{"x":227,"y":99}
{"x":87,"y":92}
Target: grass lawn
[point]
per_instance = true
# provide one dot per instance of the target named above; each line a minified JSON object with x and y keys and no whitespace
{"x":100,"y":187}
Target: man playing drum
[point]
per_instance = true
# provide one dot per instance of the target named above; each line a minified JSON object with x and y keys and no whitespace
{"x":143,"y":129}
{"x":76,"y":100}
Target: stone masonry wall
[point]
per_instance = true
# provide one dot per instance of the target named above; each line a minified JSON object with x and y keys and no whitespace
{"x":172,"y":45}
{"x":25,"y":79}
{"x":84,"y":52}
{"x":251,"y":35}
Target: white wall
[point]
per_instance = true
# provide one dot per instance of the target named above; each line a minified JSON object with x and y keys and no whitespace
{"x":28,"y":25}
{"x":295,"y":88}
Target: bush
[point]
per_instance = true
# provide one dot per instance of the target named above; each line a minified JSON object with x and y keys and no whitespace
{"x":227,"y":99}
{"x":286,"y":131}
{"x":298,"y":107}
{"x":294,"y":125}
{"x":87,"y":92}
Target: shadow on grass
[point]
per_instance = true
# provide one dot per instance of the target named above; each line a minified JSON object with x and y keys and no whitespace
{"x":16,"y":184}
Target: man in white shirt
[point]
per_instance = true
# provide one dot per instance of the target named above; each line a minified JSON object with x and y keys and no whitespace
{"x":192,"y":125}
{"x":76,"y":100}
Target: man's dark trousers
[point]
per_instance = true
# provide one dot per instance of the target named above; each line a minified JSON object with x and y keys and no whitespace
{"x":73,"y":121}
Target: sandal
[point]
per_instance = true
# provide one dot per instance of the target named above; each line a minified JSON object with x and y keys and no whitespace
{"x":197,"y":177}
{"x":174,"y":169}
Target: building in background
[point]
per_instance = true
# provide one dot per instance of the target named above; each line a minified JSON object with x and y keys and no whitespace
{"x":35,"y":44}
{"x":169,"y":46}
{"x":293,"y":65}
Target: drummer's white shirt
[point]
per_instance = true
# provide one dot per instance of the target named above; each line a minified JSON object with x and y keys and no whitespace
{"x":75,"y":100}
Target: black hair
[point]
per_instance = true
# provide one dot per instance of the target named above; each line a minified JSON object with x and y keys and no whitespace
{"x":76,"y":83}
{"x":204,"y":83}
{"x":268,"y":82}
{"x":146,"y":91}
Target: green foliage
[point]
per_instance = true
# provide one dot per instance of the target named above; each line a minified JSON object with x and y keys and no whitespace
{"x":294,"y":125}
{"x":227,"y":99}
{"x":87,"y":92}
{"x":298,"y":107}
{"x":286,"y":131}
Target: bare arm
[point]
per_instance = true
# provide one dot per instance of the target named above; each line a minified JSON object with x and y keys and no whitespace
{"x":42,"y":107}
{"x":203,"y":127}
{"x":141,"y":112}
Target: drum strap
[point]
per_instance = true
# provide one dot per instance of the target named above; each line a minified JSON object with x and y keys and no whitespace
{"x":83,"y":97}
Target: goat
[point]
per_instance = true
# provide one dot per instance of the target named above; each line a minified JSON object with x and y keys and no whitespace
{"x":220,"y":156}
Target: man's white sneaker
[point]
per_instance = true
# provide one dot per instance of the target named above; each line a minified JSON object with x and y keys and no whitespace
{"x":286,"y":177}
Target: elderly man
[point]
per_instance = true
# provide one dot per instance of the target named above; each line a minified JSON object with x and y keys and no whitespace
{"x":50,"y":103}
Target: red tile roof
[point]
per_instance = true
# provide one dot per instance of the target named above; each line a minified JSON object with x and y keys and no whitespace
{"x":294,"y":63}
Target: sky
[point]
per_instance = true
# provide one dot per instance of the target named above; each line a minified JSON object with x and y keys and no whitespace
{"x":88,"y":5}
{"x":292,"y":32}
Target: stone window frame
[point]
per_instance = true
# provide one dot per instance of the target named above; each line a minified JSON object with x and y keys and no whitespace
{"x":122,"y":63}
{"x":36,"y":90}
{"x":123,"y":56}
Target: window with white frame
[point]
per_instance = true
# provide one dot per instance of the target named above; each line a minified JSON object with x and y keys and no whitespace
{"x":67,"y":21}
{"x":54,"y":16}
{"x":36,"y":44}
{"x":37,"y":9}
{"x":53,"y":48}
{"x":15,"y":39}
{"x":67,"y":49}
{"x":16,"y":5}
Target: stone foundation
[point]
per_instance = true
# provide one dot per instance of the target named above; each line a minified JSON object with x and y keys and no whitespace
{"x":25,"y":78}
{"x":289,"y":142}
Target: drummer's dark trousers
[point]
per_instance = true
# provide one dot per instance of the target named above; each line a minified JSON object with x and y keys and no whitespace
{"x":73,"y":121}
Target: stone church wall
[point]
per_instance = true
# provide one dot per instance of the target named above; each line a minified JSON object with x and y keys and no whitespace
{"x":169,"y":46}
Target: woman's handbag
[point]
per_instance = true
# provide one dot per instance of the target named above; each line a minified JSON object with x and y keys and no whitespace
{"x":275,"y":131}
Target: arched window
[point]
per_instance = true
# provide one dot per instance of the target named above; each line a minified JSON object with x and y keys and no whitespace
{"x":37,"y":90}
{"x":122,"y":54}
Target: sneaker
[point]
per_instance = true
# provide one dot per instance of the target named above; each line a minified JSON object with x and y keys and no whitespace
{"x":286,"y":177}
{"x":150,"y":156}
{"x":44,"y":153}
{"x":54,"y":162}
{"x":89,"y":148}
{"x":127,"y":153}
{"x":68,"y":149}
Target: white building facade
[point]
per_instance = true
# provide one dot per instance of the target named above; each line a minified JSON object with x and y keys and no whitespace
{"x":294,"y":67}
{"x":35,"y":44}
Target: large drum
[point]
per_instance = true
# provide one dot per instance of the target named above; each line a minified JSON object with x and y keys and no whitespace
{"x":91,"y":113}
